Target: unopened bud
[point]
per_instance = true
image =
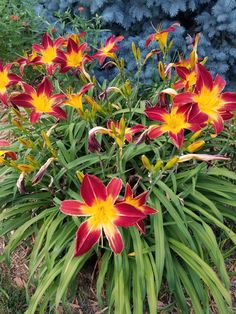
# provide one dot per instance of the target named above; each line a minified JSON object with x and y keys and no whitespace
{"x":195,"y":136}
{"x":158,"y":165}
{"x":134,"y":50}
{"x":80,"y":175}
{"x":146,"y":163}
{"x":195,"y":146}
{"x":161,"y":70}
{"x":171,"y":163}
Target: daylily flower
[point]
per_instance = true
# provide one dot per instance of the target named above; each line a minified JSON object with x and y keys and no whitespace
{"x":174,"y":122}
{"x":138,"y":202}
{"x":188,"y":78}
{"x":41,"y":101}
{"x":109,"y":48}
{"x":76,"y":38}
{"x":6,"y":152}
{"x":193,"y":57}
{"x":74,"y":58}
{"x":115,"y":129}
{"x":6,"y":79}
{"x":48,"y":52}
{"x":75,"y":99}
{"x":26,"y":60}
{"x":161,"y":35}
{"x":105,"y":214}
{"x":207,"y":95}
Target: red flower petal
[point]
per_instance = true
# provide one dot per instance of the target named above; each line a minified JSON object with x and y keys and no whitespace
{"x":46,"y":40}
{"x":35,"y":116}
{"x":59,"y":113}
{"x":182,"y":72}
{"x":57,"y":97}
{"x":155,"y":131}
{"x":4,"y":98}
{"x":184,"y":98}
{"x":114,"y":187}
{"x":230,"y":101}
{"x":72,"y":208}
{"x":28,"y":88}
{"x":219,"y":82}
{"x":85,"y":88}
{"x":149,"y":210}
{"x":128,"y":191}
{"x":142,"y":198}
{"x":204,"y":77}
{"x":59,"y":41}
{"x":137,"y":128}
{"x":91,"y":189}
{"x":127,"y":215}
{"x":114,"y":238}
{"x":22,"y":100}
{"x":72,"y":46}
{"x":45,"y":87}
{"x":156,"y":113}
{"x":178,"y":138}
{"x":14,"y":79}
{"x":37,"y":47}
{"x":195,"y":116}
{"x":218,"y":124}
{"x":86,"y":238}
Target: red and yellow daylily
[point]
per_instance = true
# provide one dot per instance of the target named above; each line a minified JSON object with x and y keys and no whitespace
{"x":138,"y":202}
{"x":217,"y":106}
{"x":76,"y":38}
{"x":109,"y":48}
{"x":6,"y":152}
{"x":26,"y":60}
{"x":193,"y":57}
{"x":104,"y":212}
{"x":188,"y":78}
{"x":48,"y":52}
{"x":161,"y":36}
{"x":175,"y":122}
{"x":40,"y":101}
{"x":6,"y":79}
{"x":74,"y":57}
{"x":75,"y":99}
{"x":115,"y":129}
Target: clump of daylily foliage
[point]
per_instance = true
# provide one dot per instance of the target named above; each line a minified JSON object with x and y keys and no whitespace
{"x":52,"y":92}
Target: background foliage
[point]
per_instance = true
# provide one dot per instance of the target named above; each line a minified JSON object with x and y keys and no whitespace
{"x":216,"y":20}
{"x":20,"y":27}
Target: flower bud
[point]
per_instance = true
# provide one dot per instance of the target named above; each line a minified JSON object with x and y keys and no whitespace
{"x":195,"y":136}
{"x":158,"y":165}
{"x":195,"y":146}
{"x":171,"y":163}
{"x":134,"y":50}
{"x":80,"y":175}
{"x":146,"y":163}
{"x":161,"y":70}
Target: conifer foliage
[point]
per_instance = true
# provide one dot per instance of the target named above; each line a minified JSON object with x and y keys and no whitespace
{"x":216,"y":20}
